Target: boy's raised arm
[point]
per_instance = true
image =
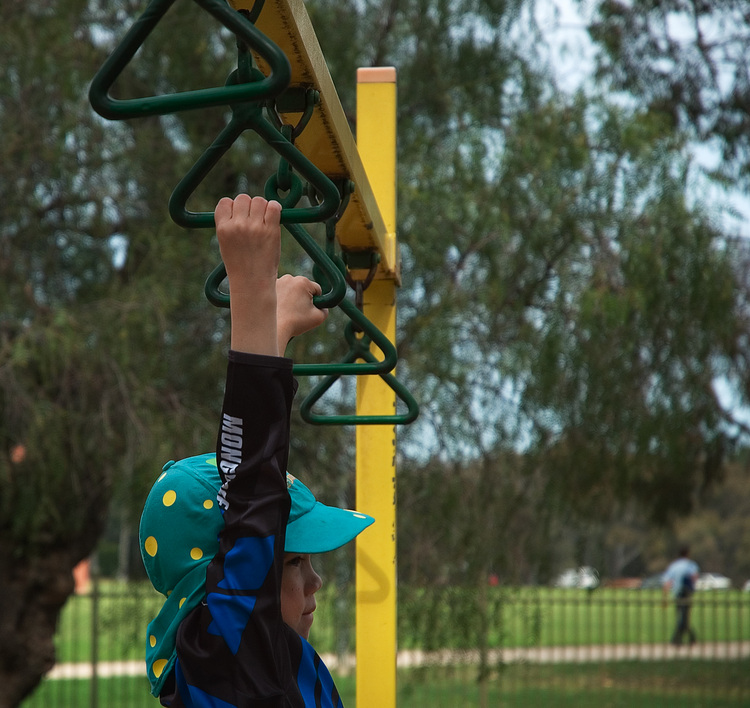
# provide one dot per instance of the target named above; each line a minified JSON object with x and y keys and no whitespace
{"x":249,"y":234}
{"x":266,"y":313}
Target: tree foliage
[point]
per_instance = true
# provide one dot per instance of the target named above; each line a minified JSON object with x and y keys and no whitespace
{"x":686,"y":61}
{"x":109,"y":365}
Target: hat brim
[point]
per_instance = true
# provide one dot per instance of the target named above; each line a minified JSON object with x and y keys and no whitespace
{"x":324,"y":528}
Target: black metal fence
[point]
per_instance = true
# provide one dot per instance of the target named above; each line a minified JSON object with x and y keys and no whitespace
{"x":487,"y":646}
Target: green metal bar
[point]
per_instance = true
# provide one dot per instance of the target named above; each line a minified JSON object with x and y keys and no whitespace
{"x":396,"y":419}
{"x":321,"y":388}
{"x":250,"y":117}
{"x":325,"y":188}
{"x":331,"y":270}
{"x":358,"y":350}
{"x":118,"y":109}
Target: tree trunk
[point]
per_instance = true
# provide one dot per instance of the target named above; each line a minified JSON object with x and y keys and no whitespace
{"x":34,"y":591}
{"x":484,"y":669}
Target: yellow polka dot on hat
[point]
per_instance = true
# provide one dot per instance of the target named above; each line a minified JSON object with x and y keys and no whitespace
{"x":180,"y":523}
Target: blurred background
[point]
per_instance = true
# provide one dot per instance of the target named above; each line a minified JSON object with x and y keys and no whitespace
{"x":574,"y":321}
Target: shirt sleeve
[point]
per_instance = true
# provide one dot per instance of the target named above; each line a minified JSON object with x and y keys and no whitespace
{"x":668,"y":575}
{"x":235,"y":649}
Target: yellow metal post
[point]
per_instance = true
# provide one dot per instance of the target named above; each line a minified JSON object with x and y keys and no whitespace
{"x":376,"y":444}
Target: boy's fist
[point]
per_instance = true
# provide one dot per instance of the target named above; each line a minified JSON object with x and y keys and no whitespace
{"x":249,"y":234}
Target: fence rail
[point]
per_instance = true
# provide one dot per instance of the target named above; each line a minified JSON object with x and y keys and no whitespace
{"x":481,"y":647}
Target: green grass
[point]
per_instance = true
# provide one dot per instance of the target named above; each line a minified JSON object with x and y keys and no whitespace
{"x":615,"y":685}
{"x":120,"y":692}
{"x":123,"y":611}
{"x":454,"y":618}
{"x":442,"y":618}
{"x":677,"y":684}
{"x":524,"y":617}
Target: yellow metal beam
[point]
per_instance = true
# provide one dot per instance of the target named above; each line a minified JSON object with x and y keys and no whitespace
{"x":376,"y":444}
{"x":327,"y":141}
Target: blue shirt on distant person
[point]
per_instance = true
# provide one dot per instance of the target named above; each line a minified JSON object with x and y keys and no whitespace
{"x":681,"y":575}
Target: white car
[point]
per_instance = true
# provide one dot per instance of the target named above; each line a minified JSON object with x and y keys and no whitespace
{"x":712,"y":581}
{"x":585,"y":577}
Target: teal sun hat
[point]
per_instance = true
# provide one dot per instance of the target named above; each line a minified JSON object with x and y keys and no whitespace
{"x":178,"y":536}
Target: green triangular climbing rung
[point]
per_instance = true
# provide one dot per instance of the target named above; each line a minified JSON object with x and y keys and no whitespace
{"x":360,"y":351}
{"x":118,"y":109}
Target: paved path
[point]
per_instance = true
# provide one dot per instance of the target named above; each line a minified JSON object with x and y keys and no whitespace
{"x":708,"y":651}
{"x":717,"y":651}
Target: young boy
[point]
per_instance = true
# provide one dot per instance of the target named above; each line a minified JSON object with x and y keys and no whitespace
{"x":228,"y":538}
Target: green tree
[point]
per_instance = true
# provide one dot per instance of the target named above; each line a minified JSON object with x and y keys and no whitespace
{"x":686,"y":61}
{"x":574,"y":284}
{"x":109,"y":364}
{"x":719,"y":531}
{"x":564,"y":295}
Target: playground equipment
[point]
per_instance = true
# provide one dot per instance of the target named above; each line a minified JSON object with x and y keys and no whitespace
{"x":282,"y":91}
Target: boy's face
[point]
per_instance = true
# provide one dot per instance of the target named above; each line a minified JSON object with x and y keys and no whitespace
{"x":299,"y":583}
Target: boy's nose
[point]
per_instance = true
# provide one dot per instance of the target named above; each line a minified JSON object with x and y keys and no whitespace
{"x":314,"y":583}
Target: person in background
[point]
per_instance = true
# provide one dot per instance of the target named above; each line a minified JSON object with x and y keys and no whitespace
{"x":679,"y":581}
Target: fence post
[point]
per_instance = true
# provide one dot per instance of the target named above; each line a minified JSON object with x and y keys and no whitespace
{"x":94,"y":695}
